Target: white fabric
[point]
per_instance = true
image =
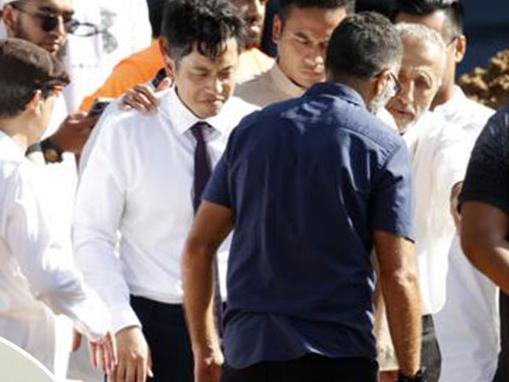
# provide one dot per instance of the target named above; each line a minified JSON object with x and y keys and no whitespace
{"x":437,"y":166}
{"x":37,"y":270}
{"x":138,"y":180}
{"x":124,"y":29}
{"x":468,"y":325}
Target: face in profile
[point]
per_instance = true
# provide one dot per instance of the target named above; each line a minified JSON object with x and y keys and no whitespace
{"x":253,"y":13}
{"x":42,"y":22}
{"x":419,"y":78}
{"x":204,"y":84}
{"x":302,"y":36}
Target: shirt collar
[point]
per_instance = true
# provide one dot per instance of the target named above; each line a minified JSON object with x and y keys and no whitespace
{"x":182,"y":118}
{"x":338,"y":90}
{"x":9,"y":149}
{"x":456,"y":103}
{"x":283,"y":83}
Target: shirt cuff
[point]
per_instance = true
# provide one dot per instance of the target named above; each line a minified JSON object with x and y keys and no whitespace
{"x":123,"y":316}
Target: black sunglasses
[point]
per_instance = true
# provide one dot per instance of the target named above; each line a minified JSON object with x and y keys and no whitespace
{"x":48,"y":22}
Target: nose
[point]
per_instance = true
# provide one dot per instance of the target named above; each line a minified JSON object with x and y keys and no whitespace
{"x":315,"y":57}
{"x":256,"y":10}
{"x":406,"y":94}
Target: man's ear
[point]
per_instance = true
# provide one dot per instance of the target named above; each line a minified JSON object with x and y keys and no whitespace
{"x":10,"y":19}
{"x":277,"y":27}
{"x":461,"y":48}
{"x":169,"y":63}
{"x":35,"y":103}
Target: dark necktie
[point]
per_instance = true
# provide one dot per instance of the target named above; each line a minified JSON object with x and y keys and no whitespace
{"x":202,"y":172}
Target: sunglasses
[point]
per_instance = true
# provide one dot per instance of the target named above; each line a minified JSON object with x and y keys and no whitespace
{"x":48,"y":21}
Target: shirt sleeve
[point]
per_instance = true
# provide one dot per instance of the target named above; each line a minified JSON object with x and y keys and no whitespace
{"x":392,"y":196}
{"x":100,"y":204}
{"x":47,"y":263}
{"x":487,"y":178}
{"x":217,"y":190}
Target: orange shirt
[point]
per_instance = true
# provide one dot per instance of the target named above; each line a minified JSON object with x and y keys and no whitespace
{"x":138,"y":68}
{"x":143,"y":66}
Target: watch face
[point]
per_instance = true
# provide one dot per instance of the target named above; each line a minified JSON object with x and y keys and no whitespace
{"x":51,"y":155}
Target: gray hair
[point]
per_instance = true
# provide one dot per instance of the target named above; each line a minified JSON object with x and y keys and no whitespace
{"x":424,"y":36}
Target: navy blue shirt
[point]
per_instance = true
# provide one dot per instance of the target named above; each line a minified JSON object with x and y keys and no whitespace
{"x":308,"y":181}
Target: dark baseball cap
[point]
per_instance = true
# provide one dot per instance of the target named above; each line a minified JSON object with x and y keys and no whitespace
{"x":27,"y":64}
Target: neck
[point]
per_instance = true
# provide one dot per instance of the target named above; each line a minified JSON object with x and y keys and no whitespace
{"x":18,"y":131}
{"x":444,"y":95}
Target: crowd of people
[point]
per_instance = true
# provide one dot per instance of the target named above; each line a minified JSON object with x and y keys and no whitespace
{"x":202,"y":211}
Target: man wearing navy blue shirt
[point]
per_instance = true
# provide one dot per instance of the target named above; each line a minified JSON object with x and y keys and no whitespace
{"x":310,"y":186}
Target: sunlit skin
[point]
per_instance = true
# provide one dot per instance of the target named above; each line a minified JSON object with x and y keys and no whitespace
{"x":253,"y":13}
{"x":202,"y":83}
{"x":302,"y":39}
{"x":419,"y":77}
{"x":26,"y":24}
{"x":456,"y":48}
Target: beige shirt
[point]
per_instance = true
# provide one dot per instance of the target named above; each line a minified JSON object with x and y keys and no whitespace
{"x":269,"y":87}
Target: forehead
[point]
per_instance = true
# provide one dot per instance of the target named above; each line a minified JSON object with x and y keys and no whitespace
{"x":437,"y":21}
{"x":56,"y":6}
{"x":228,"y":57}
{"x":420,"y":58}
{"x":247,"y":3}
{"x":315,"y":21}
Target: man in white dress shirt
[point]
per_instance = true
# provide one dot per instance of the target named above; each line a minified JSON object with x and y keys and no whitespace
{"x":37,"y":277}
{"x":143,"y":179}
{"x":468,"y":325}
{"x":433,"y":152}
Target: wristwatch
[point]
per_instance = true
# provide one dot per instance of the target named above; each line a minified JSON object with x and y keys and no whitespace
{"x":52,"y":153}
{"x":420,"y":376}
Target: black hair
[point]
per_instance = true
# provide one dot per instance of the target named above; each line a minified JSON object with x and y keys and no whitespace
{"x":155,"y":14}
{"x":453,"y":9}
{"x":14,"y":97}
{"x":362,"y":46}
{"x":287,"y":5}
{"x":204,"y":24}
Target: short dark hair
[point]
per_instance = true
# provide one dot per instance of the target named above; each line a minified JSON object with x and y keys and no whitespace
{"x":204,"y":24}
{"x":286,"y":5}
{"x":453,"y":9}
{"x":24,"y":69}
{"x":362,"y":46}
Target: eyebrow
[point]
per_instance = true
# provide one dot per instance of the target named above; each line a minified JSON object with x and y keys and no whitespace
{"x":49,"y":9}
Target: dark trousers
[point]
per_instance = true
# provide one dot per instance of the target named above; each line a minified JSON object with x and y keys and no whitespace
{"x":502,"y":374}
{"x":306,"y":369}
{"x":430,"y":351}
{"x":166,"y":333}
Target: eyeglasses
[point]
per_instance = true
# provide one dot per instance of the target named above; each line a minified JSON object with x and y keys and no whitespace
{"x":452,"y":41}
{"x":396,"y":85}
{"x":49,"y":21}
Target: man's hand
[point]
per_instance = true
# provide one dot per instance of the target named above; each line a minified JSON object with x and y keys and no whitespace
{"x":143,"y":98}
{"x":207,"y":366}
{"x":76,"y":341}
{"x":134,"y":363}
{"x":389,"y":376}
{"x":73,"y":132}
{"x":104,"y":353}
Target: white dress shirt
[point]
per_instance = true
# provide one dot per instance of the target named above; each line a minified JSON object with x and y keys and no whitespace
{"x":138,"y":180}
{"x":437,"y":162}
{"x":37,"y":270}
{"x":468,"y":325}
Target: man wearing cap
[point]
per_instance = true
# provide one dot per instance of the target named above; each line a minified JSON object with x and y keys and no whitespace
{"x":37,"y":277}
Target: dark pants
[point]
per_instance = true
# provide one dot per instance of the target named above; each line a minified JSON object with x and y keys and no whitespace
{"x":306,"y":369}
{"x":166,"y":333}
{"x":502,"y":374}
{"x":430,"y":351}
